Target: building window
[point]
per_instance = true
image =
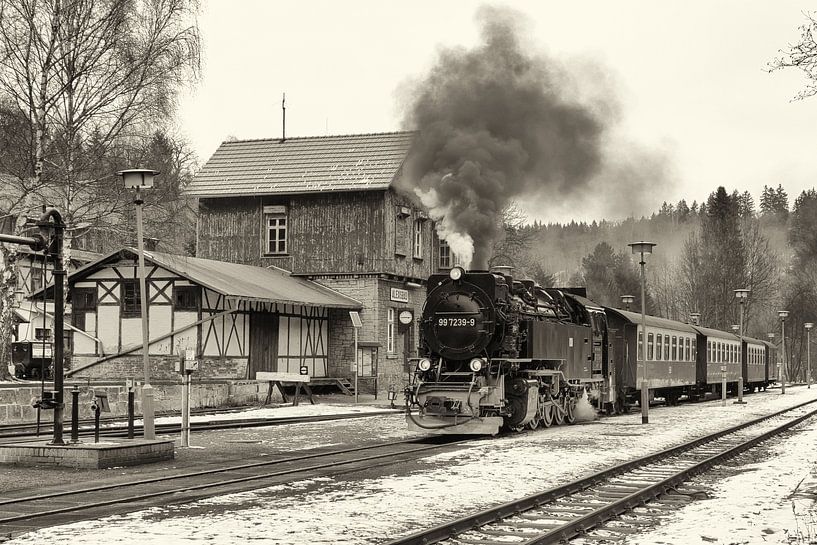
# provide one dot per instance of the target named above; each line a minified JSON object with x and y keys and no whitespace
{"x":36,"y":277}
{"x":131,"y":300}
{"x":42,"y":334}
{"x":390,"y":332}
{"x":276,"y":234}
{"x":445,"y":255}
{"x":83,"y":299}
{"x":186,"y":298}
{"x":418,"y":239}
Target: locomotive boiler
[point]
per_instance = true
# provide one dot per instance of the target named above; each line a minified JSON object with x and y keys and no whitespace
{"x":498,"y":353}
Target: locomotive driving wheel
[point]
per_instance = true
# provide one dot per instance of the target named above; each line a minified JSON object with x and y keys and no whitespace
{"x":570,"y":409}
{"x":547,"y":414}
{"x":534,"y":422}
{"x":558,"y":411}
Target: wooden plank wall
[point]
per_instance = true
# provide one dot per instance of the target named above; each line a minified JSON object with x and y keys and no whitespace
{"x":329,"y":233}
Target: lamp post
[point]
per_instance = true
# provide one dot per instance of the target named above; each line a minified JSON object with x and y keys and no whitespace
{"x":808,"y":326}
{"x":783,"y":314}
{"x":695,"y":317}
{"x":142,"y":178}
{"x":627,"y":300}
{"x":643,"y":248}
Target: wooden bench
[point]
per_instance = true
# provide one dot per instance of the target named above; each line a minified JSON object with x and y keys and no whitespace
{"x":277,"y":380}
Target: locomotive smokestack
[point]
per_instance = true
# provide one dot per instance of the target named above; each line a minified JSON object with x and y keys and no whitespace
{"x":505,"y":270}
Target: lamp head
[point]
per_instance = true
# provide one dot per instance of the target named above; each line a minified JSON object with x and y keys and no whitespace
{"x":627,"y":299}
{"x":808,"y":325}
{"x":742,"y":293}
{"x":642,"y":247}
{"x":138,"y":177}
{"x":782,"y":314}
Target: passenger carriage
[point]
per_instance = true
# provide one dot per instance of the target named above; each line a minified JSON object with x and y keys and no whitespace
{"x":671,"y":355}
{"x":720,"y":352}
{"x":753,"y":354}
{"x":770,"y":362}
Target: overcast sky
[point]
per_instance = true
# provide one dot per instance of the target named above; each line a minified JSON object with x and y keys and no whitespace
{"x":690,"y":77}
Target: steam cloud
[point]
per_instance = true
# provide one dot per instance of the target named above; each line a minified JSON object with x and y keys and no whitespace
{"x":496,"y":124}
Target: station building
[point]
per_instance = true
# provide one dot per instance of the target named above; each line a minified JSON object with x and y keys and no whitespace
{"x":326,"y":209}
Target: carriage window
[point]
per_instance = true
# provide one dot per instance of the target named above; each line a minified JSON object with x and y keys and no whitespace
{"x":650,"y":353}
{"x":659,"y":346}
{"x":694,"y":349}
{"x":666,"y":347}
{"x":686,"y":348}
{"x":640,"y":345}
{"x":674,"y":348}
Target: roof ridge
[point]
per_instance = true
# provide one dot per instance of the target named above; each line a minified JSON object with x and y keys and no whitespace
{"x":326,"y":136}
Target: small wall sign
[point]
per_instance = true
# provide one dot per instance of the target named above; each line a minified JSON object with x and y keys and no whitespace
{"x":398,"y":295}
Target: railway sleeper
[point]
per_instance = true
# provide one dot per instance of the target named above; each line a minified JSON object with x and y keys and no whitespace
{"x":506,"y":533}
{"x":467,"y":541}
{"x":534,"y":525}
{"x":550,"y":516}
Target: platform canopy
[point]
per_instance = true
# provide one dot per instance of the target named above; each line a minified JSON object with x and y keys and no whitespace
{"x":232,"y":280}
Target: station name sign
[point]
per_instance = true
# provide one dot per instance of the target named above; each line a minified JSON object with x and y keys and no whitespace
{"x":398,"y":295}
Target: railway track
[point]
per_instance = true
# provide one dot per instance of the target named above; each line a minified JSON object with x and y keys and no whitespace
{"x":16,"y":433}
{"x":21,"y":511}
{"x":593,"y":506}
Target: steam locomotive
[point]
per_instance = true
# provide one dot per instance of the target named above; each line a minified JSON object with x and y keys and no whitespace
{"x":497,"y":353}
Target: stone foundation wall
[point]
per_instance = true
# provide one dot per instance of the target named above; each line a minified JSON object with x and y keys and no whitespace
{"x":15,"y":403}
{"x":162,"y":368}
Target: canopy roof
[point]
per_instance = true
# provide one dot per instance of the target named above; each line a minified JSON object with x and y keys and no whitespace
{"x":233,"y":280}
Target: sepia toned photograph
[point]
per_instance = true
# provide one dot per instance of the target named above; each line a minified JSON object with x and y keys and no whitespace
{"x":361,"y":272}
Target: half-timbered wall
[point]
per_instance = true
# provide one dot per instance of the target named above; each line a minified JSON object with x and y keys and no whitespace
{"x":220,"y":336}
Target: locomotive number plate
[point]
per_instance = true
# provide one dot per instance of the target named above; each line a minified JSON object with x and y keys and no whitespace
{"x":456,"y":322}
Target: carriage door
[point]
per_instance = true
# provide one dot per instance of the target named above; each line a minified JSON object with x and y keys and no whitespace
{"x":263,"y":343}
{"x":599,"y":325}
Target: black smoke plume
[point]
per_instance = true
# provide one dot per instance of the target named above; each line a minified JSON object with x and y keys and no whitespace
{"x":498,"y":124}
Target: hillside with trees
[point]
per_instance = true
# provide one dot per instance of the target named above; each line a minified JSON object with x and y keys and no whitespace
{"x":704,"y":252}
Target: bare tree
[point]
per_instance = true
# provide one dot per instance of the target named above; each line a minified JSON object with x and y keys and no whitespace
{"x":88,"y":82}
{"x":90,"y":75}
{"x":802,"y":55}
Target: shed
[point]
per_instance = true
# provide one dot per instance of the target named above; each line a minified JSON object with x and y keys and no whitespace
{"x":239,"y":319}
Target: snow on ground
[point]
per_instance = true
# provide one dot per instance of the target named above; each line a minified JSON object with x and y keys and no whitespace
{"x":396,"y":500}
{"x":771,"y":501}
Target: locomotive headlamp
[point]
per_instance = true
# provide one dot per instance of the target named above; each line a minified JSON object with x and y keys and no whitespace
{"x":424,"y":364}
{"x":456,"y":273}
{"x":476,"y":364}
